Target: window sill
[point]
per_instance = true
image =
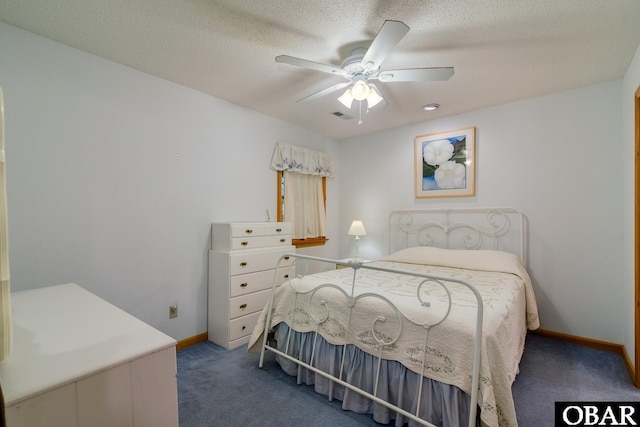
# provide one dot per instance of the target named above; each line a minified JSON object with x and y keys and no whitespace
{"x":313,"y":241}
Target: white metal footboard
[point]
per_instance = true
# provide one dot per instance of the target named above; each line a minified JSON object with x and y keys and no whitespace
{"x":352,"y":299}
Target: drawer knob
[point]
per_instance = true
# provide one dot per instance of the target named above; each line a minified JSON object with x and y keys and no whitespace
{"x":248,"y":231}
{"x":286,"y":276}
{"x":245,"y":243}
{"x":286,"y":258}
{"x":283,"y":240}
{"x":243,"y":264}
{"x":278,"y":230}
{"x":244,"y":327}
{"x":243,"y":306}
{"x":244,"y":285}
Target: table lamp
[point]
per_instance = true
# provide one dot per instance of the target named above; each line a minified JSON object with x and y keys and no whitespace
{"x":357,"y":229}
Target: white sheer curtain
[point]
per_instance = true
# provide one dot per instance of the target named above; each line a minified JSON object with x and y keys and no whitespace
{"x":304,"y":205}
{"x":303,"y":171}
{"x":5,"y":292}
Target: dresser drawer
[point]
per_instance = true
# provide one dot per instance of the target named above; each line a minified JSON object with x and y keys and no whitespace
{"x":223,"y":235}
{"x":246,"y":283}
{"x":277,"y":228}
{"x":242,"y":326}
{"x":249,"y":303}
{"x":260,"y":241}
{"x":241,"y":229}
{"x":248,"y":229}
{"x":249,"y":262}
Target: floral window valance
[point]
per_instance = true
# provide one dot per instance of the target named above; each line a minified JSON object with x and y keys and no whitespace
{"x":302,"y":160}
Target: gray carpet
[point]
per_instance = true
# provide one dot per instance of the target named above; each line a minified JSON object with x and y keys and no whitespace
{"x":217,"y":387}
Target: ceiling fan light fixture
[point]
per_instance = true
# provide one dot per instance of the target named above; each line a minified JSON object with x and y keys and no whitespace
{"x":360,"y":90}
{"x":346,"y":98}
{"x":374,"y":97}
{"x":363,"y":65}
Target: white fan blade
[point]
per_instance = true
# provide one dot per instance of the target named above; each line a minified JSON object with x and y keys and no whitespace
{"x":298,"y":62}
{"x":416,"y":75}
{"x":387,"y":38}
{"x":324,"y":92}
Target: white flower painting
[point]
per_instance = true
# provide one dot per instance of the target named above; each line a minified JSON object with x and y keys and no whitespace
{"x":437,"y":152}
{"x":444,"y":164}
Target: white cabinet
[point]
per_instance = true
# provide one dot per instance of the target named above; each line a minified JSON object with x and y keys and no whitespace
{"x":242,"y":263}
{"x":55,"y":408}
{"x":78,"y":361}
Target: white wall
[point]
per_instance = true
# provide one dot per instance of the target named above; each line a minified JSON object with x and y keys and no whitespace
{"x":558,"y":159}
{"x":114,"y":177}
{"x":630,"y":84}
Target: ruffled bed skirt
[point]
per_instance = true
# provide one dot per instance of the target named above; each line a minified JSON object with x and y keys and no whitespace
{"x":442,"y":404}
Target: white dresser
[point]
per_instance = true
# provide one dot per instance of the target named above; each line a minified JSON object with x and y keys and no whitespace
{"x":242,"y":263}
{"x":78,"y":361}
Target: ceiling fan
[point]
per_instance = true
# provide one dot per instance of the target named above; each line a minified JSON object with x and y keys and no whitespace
{"x":363,"y":66}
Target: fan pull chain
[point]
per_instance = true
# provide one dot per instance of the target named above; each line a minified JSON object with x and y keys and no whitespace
{"x":360,"y":112}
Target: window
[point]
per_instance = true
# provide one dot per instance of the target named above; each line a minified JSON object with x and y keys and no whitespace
{"x":301,"y":192}
{"x":309,"y":218}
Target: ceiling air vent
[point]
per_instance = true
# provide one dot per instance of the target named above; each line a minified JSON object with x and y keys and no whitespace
{"x":341,"y":115}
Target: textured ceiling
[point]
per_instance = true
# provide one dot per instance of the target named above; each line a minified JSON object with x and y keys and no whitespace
{"x":502,"y":50}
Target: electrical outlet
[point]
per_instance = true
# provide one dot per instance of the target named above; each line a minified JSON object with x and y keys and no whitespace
{"x":173,"y":310}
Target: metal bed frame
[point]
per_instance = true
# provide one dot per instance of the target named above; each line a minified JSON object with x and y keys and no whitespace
{"x":418,"y":227}
{"x":352,"y":300}
{"x":502,"y":229}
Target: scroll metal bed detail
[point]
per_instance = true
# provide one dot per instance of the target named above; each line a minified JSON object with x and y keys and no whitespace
{"x":351,"y":298}
{"x":460,"y":228}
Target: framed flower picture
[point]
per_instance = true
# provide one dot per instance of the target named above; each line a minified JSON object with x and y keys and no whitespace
{"x":445,"y":164}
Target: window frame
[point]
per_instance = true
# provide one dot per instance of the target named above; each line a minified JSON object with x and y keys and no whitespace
{"x":300,"y":243}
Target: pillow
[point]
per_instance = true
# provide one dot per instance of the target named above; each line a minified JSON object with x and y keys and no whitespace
{"x":485,"y":260}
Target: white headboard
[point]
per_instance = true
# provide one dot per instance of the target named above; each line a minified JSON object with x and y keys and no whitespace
{"x":503,"y":229}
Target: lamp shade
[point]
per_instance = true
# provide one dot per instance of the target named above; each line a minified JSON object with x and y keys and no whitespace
{"x":357,"y":229}
{"x":374,"y":98}
{"x":360,"y":90}
{"x":346,"y":99}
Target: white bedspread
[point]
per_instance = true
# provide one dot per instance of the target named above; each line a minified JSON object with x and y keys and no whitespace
{"x":509,"y":309}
